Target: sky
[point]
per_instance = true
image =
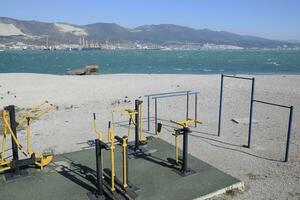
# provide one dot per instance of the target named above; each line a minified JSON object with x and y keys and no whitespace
{"x":273,"y":19}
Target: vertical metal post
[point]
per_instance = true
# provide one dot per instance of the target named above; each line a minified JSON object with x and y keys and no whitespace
{"x":14,"y":146}
{"x":137,"y":124}
{"x":13,"y":125}
{"x":220,"y":106}
{"x":187,"y":104}
{"x":251,"y":113}
{"x":289,"y":135}
{"x":125,"y":162}
{"x":99,"y":168}
{"x":196,"y":109}
{"x":185,"y":150}
{"x":155,"y":114}
{"x":148,"y":104}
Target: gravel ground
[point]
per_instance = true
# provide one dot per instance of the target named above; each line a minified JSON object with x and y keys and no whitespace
{"x":69,"y":127}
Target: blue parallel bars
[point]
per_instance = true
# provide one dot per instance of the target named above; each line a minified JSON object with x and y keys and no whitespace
{"x":291,"y":108}
{"x":251,"y":103}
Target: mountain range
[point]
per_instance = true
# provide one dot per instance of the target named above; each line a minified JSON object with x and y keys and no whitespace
{"x":35,"y":32}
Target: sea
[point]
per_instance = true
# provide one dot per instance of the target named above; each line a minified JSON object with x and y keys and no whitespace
{"x":154,"y":61}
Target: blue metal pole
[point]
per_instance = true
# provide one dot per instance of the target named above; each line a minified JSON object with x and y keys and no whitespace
{"x":155,"y":115}
{"x":148,"y":104}
{"x":289,"y":135}
{"x":251,"y":113}
{"x":196,"y":109}
{"x":220,"y":106}
{"x":187,"y":104}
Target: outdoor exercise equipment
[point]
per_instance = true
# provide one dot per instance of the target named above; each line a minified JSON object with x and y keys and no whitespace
{"x":135,"y":120}
{"x":289,"y":123}
{"x":252,"y":101}
{"x":100,"y":145}
{"x":157,"y":96}
{"x":221,"y":101}
{"x":184,"y":131}
{"x":125,"y":112}
{"x":10,"y":125}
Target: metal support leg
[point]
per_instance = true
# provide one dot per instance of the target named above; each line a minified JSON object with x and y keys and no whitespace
{"x":187,"y":104}
{"x":289,"y":135}
{"x":125,"y":163}
{"x":99,"y":169}
{"x":251,"y":113}
{"x":13,"y":125}
{"x":155,"y":116}
{"x":148,"y":105}
{"x":185,"y":151}
{"x":196,"y":109}
{"x":137,"y":125}
{"x":220,"y":106}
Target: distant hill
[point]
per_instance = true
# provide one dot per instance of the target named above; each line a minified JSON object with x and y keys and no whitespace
{"x":35,"y":32}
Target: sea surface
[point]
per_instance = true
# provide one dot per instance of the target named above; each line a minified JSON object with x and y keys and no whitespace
{"x":154,"y":61}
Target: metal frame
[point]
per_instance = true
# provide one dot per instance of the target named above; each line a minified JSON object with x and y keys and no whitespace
{"x":158,"y":94}
{"x":252,"y":79}
{"x":291,"y":108}
{"x":186,"y":93}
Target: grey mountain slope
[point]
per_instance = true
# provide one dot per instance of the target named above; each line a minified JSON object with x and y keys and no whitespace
{"x":159,"y":34}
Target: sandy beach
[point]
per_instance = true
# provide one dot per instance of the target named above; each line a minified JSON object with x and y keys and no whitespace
{"x":69,"y":127}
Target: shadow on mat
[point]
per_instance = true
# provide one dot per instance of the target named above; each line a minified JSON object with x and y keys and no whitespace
{"x":81,"y":175}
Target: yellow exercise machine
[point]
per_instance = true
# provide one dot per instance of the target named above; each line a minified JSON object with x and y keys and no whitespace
{"x":100,"y":144}
{"x":131,"y":114}
{"x":184,"y":171}
{"x":9,"y":126}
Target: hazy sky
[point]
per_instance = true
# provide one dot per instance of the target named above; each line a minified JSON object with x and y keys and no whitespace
{"x":275,"y":19}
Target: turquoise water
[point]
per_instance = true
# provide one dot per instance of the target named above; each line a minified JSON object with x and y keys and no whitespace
{"x":168,"y":62}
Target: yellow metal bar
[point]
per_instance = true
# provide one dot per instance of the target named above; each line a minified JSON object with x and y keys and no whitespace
{"x":4,"y":136}
{"x":3,"y":148}
{"x":29,"y":150}
{"x":186,"y":123}
{"x":5,"y":162}
{"x":125,"y":162}
{"x":23,"y":119}
{"x":99,"y":133}
{"x":112,"y":156}
{"x":4,"y":169}
{"x":176,"y":148}
{"x":38,"y":115}
{"x":37,"y":106}
{"x":12,"y":133}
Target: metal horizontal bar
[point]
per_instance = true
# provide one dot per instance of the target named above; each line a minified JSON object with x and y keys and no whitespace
{"x":159,"y":94}
{"x":238,"y":77}
{"x":272,"y":104}
{"x":175,"y":95}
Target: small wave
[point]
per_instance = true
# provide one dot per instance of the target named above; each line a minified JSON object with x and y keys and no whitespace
{"x":273,"y":63}
{"x":178,"y":69}
{"x":207,"y":70}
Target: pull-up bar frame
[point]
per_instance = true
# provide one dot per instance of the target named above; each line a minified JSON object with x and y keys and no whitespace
{"x":251,"y":102}
{"x":291,"y":108}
